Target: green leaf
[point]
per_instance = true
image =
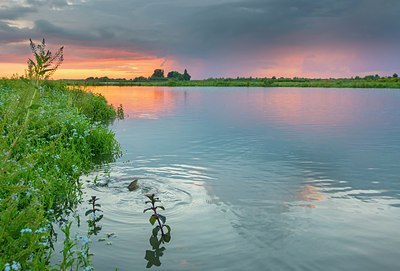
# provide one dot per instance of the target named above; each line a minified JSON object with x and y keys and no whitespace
{"x":159,"y":252}
{"x":38,"y":59}
{"x":47,"y":70}
{"x":147,"y":209}
{"x":88,"y":212}
{"x":149,"y":255}
{"x":161,"y":207}
{"x":97,"y":229}
{"x":24,"y":80}
{"x":153,"y":219}
{"x":34,"y":106}
{"x":154,"y":242}
{"x":162,"y":218}
{"x":169,"y":228}
{"x":167,"y":237}
{"x":156,"y":230}
{"x":150,"y":197}
{"x":98,"y":218}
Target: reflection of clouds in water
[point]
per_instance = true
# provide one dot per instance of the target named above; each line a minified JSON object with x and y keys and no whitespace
{"x":312,"y":108}
{"x":318,"y":190}
{"x":310,"y":194}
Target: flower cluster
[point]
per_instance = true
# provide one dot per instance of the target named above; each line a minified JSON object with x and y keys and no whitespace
{"x":83,"y":239}
{"x":26,"y":230}
{"x":29,"y":230}
{"x":12,"y":266}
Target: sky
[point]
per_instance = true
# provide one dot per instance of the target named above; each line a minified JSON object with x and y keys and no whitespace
{"x":210,"y":38}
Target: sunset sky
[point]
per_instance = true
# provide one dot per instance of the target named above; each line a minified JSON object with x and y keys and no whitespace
{"x":211,"y":38}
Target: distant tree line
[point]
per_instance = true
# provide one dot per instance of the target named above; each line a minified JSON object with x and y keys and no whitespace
{"x":158,"y":75}
{"x":303,"y":79}
{"x":175,"y":78}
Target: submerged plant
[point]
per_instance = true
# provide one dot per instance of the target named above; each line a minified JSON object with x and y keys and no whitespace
{"x":94,"y":218}
{"x":153,"y":256}
{"x":160,"y":219}
{"x":120,"y":112}
{"x":156,"y":239}
{"x":74,"y":258}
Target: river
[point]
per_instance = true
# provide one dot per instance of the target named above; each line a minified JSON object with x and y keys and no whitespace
{"x":254,"y":179}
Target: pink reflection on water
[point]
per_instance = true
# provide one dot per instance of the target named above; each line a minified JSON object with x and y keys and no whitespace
{"x":289,"y":107}
{"x":312,"y":107}
{"x":310,"y":195}
{"x":141,"y":102}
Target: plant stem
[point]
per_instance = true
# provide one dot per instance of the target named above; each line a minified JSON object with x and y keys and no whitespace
{"x":158,"y":220}
{"x":25,"y":124}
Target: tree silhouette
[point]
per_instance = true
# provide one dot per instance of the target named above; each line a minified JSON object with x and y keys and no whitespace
{"x":157,"y":74}
{"x":186,"y":76}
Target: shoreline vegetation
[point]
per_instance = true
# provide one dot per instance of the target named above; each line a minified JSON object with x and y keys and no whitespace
{"x":51,"y":134}
{"x":176,"y":79}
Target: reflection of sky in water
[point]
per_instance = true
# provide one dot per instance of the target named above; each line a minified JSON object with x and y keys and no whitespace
{"x":147,"y":103}
{"x":302,"y":179}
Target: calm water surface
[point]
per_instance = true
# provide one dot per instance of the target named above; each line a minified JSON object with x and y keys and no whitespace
{"x":255,"y":178}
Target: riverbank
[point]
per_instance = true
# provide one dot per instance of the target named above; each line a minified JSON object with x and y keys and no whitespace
{"x":366,"y":82}
{"x":48,"y":141}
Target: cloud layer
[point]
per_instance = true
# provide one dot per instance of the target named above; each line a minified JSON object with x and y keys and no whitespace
{"x":213,"y":37}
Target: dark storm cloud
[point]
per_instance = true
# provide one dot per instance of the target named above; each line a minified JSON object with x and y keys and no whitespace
{"x":9,"y":34}
{"x":260,"y":23}
{"x":53,"y":4}
{"x":46,"y":28}
{"x":190,"y":27}
{"x":15,"y":12}
{"x":206,"y":29}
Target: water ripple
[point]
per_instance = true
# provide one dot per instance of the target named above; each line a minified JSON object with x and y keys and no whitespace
{"x":173,"y":184}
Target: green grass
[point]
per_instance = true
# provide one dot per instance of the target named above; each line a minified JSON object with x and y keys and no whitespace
{"x":42,"y":155}
{"x":367,"y":82}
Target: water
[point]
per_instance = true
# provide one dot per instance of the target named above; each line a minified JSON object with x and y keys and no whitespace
{"x":255,"y":178}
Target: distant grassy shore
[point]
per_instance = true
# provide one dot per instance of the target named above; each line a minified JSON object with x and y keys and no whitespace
{"x":50,"y":136}
{"x":366,"y":82}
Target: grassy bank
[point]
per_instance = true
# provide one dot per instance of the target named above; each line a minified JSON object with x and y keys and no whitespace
{"x":367,"y":82}
{"x":48,"y":140}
